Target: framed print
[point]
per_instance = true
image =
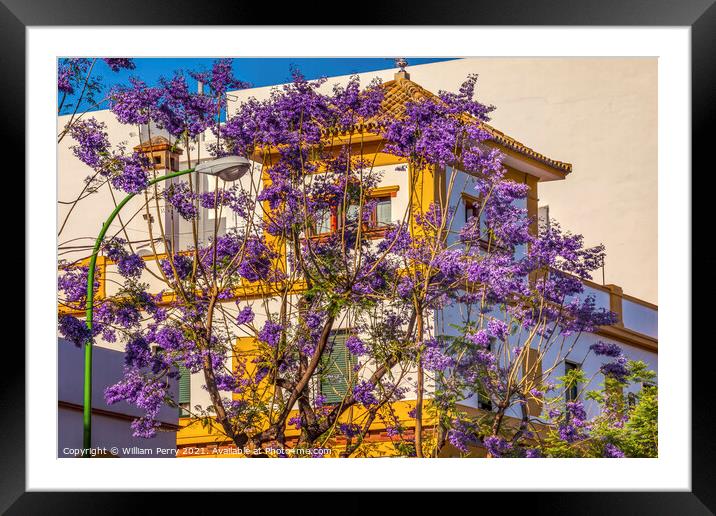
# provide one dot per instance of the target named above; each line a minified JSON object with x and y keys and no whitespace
{"x":453,"y":246}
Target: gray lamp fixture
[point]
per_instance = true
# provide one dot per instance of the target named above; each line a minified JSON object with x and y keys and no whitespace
{"x":228,"y":168}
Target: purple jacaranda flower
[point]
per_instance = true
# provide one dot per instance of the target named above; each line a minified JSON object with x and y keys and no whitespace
{"x":144,"y":427}
{"x":180,"y":196}
{"x":119,"y":63}
{"x":220,"y":79}
{"x":137,"y":353}
{"x":130,"y":266}
{"x":74,"y":330}
{"x":126,"y":315}
{"x":246,"y":316}
{"x":479,"y":338}
{"x":363,"y":394}
{"x":72,"y":283}
{"x":355,"y":345}
{"x":434,"y":359}
{"x":93,"y":147}
{"x":618,"y":370}
{"x":392,"y":431}
{"x":256,"y":262}
{"x":136,"y":104}
{"x":271,"y":333}
{"x":349,"y":429}
{"x":497,"y":329}
{"x":180,"y":111}
{"x":183,"y":266}
{"x":496,"y":446}
{"x":133,"y":177}
{"x":609,"y":349}
{"x":295,"y":421}
{"x":613,"y":452}
{"x":462,"y":435}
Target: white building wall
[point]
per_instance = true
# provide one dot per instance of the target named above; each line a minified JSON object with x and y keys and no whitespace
{"x":574,"y":348}
{"x":110,"y":427}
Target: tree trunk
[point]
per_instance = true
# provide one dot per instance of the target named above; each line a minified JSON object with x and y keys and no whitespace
{"x":419,"y":393}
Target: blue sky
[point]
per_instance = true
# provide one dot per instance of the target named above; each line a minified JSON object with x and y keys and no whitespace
{"x":257,"y":71}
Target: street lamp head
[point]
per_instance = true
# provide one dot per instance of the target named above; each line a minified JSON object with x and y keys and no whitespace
{"x":228,"y":168}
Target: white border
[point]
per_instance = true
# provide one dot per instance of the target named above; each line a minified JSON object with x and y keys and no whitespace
{"x":671,"y":471}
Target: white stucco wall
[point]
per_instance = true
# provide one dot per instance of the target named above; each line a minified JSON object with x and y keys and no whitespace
{"x":110,"y":427}
{"x":574,"y":348}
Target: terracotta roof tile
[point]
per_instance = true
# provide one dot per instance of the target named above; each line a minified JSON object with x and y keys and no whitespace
{"x":400,"y":91}
{"x":157,"y":143}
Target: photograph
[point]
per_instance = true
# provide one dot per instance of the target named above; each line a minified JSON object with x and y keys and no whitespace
{"x":357,"y":257}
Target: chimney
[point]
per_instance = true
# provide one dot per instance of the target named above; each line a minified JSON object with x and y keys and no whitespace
{"x":401,"y":62}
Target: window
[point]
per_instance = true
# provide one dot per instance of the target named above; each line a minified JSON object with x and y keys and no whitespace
{"x":472,"y":208}
{"x":328,"y":221}
{"x":532,"y":370}
{"x":572,"y":392}
{"x":543,"y":218}
{"x":323,"y":224}
{"x":632,"y":397}
{"x":484,"y":403}
{"x":173,"y":163}
{"x":184,"y":391}
{"x":158,"y":160}
{"x":337,"y":369}
{"x":381,"y":215}
{"x":483,"y":399}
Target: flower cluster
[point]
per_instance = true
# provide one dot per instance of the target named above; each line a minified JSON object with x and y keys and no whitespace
{"x":125,"y":172}
{"x":172,"y":106}
{"x":363,"y":394}
{"x":179,"y":267}
{"x":146,"y":393}
{"x":74,"y":75}
{"x":129,"y":265}
{"x":618,"y":369}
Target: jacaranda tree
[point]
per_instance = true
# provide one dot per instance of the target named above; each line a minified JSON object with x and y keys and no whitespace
{"x":305,"y":248}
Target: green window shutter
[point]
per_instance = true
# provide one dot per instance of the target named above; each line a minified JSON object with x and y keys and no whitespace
{"x":337,"y":370}
{"x":184,"y":389}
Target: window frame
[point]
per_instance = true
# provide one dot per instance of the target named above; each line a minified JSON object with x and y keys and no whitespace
{"x":374,"y":226}
{"x":467,"y":200}
{"x":184,"y":402}
{"x":569,"y":366}
{"x":350,"y":361}
{"x":371,"y":229}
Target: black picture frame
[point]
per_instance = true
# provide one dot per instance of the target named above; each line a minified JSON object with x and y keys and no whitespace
{"x":700,"y":15}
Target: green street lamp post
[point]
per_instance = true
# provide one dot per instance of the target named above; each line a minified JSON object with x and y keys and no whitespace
{"x":229,"y":168}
